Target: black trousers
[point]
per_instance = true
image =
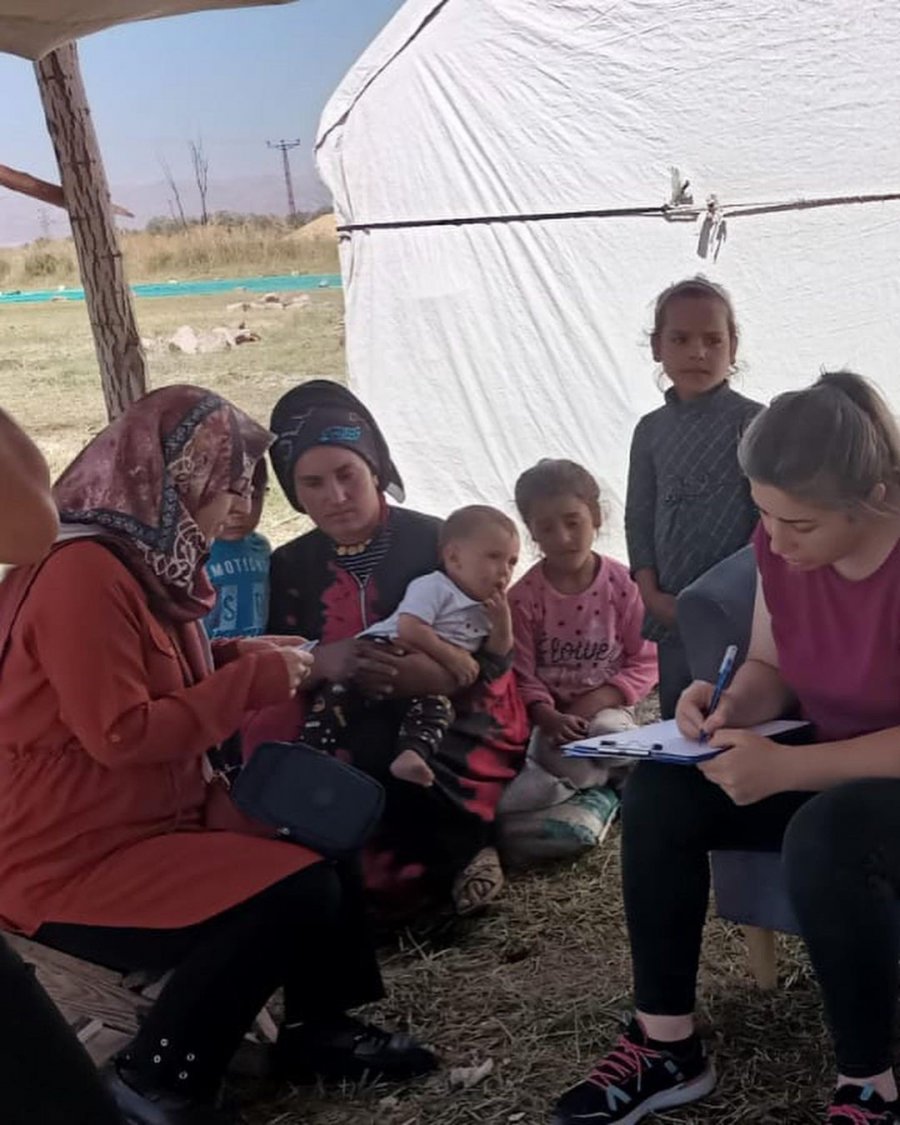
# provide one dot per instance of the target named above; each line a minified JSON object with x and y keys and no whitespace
{"x":306,"y":933}
{"x":46,"y":1077}
{"x":674,"y":674}
{"x":841,"y":852}
{"x":419,"y":825}
{"x":436,"y":829}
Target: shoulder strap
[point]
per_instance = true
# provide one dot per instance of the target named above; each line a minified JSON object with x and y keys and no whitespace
{"x":13,"y":592}
{"x":16,"y":586}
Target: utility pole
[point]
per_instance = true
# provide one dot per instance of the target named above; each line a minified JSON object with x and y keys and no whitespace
{"x":285,"y":147}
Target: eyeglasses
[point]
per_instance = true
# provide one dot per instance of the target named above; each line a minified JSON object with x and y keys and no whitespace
{"x":248,"y":492}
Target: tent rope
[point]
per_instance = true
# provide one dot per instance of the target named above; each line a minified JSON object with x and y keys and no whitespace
{"x":670,"y":212}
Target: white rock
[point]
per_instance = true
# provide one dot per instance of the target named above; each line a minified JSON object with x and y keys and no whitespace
{"x":465,"y":1077}
{"x":218,"y":340}
{"x":185,"y":340}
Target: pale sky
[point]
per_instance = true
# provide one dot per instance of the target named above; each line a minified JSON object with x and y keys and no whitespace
{"x":236,"y":78}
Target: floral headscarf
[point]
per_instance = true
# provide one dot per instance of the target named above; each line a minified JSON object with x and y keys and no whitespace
{"x":143,"y":479}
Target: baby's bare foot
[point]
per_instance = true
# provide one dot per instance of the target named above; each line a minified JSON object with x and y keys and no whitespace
{"x":412,"y":767}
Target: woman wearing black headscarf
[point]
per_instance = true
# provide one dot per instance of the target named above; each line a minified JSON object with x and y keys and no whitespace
{"x":333,"y":463}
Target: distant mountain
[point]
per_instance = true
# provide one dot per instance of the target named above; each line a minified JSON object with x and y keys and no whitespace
{"x":22,"y":220}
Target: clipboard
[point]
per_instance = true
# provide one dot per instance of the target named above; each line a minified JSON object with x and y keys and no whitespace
{"x":663,"y":742}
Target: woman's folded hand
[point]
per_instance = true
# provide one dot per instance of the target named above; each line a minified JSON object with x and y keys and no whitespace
{"x":298,"y":663}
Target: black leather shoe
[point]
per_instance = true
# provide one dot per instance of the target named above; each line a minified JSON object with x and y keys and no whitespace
{"x":158,"y":1107}
{"x":350,"y":1050}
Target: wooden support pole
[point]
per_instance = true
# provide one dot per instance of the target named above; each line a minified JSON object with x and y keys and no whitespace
{"x":110,"y":309}
{"x":763,"y":957}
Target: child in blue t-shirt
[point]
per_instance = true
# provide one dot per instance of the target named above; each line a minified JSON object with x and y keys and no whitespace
{"x":238,"y":567}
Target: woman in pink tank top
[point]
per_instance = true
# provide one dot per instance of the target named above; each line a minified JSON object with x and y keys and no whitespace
{"x":824,"y":469}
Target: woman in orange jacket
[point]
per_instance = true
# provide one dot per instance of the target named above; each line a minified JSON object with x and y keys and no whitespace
{"x":110,"y":698}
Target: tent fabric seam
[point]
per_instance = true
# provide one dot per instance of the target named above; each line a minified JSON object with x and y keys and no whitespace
{"x":326,"y":130}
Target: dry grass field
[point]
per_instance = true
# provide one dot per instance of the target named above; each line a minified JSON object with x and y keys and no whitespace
{"x":49,"y":378}
{"x":235,"y":249}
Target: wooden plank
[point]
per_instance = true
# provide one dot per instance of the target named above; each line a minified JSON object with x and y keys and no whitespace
{"x":79,"y":988}
{"x":85,"y":1028}
{"x":104,"y":1043}
{"x":265,"y":1027}
{"x":102,"y":1005}
{"x":763,"y":957}
{"x":52,"y":960}
{"x":100,"y":1042}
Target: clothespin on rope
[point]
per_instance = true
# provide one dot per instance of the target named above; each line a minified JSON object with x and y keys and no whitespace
{"x":679,"y":207}
{"x":714,"y":230}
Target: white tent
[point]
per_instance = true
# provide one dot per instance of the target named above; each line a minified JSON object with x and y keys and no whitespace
{"x":485,"y":345}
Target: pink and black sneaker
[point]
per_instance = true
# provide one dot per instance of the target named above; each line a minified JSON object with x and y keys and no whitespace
{"x":860,"y":1105}
{"x":637,"y":1078}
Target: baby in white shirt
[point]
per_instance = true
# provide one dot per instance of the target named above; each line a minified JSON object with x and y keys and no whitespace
{"x":448,"y":615}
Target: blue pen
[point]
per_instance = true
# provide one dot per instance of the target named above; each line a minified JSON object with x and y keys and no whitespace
{"x":725,"y":670}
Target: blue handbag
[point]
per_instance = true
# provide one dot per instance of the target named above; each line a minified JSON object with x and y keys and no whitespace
{"x":308,"y":797}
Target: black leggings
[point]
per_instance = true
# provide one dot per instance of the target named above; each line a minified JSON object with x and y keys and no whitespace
{"x":674,"y":674}
{"x":46,"y":1077}
{"x":841,"y":854}
{"x":305,"y":933}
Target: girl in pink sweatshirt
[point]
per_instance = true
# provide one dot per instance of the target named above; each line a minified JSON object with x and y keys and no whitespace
{"x":580,"y":660}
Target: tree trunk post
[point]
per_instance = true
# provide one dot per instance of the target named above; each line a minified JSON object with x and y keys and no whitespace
{"x":122,"y":366}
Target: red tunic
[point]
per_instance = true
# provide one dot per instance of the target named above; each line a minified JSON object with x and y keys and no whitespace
{"x":101,"y":747}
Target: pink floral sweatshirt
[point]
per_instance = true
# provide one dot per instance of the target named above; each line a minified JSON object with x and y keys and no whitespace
{"x":569,"y":644}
